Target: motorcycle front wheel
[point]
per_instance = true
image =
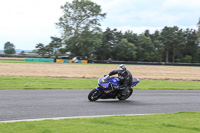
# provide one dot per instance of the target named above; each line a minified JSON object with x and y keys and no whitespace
{"x":95,"y":95}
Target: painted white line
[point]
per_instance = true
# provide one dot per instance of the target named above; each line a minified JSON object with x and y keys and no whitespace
{"x":59,"y":118}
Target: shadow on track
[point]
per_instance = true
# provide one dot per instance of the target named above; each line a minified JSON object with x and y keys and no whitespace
{"x":125,"y":102}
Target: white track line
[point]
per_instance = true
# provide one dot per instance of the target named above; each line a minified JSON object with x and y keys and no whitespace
{"x":59,"y":118}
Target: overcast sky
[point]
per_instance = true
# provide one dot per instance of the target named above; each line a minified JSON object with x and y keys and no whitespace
{"x":26,"y":23}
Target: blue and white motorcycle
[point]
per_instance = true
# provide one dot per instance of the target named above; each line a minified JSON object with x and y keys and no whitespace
{"x":106,"y":89}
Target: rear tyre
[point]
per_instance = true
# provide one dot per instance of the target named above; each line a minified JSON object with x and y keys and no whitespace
{"x":128,"y":94}
{"x":95,"y":95}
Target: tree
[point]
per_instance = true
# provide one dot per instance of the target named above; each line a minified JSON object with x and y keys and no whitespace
{"x":54,"y":46}
{"x":198,"y":40}
{"x":81,"y":19}
{"x":125,"y":51}
{"x":178,"y":44}
{"x":187,"y":59}
{"x":9,"y":48}
{"x":167,"y":38}
{"x":103,"y":51}
{"x":131,"y":37}
{"x":110,"y":39}
{"x":158,"y":45}
{"x":198,"y":32}
{"x":41,"y":49}
{"x":191,"y":48}
{"x":144,"y":48}
{"x":48,"y":50}
{"x":147,"y":33}
{"x":22,"y":52}
{"x":174,"y":42}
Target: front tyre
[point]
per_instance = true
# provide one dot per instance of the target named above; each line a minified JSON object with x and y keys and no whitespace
{"x":95,"y":95}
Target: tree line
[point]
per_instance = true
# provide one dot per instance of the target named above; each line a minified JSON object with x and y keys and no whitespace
{"x":171,"y":44}
{"x":82,"y":36}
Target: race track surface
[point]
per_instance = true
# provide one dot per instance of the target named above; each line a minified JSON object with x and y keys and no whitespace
{"x":34,"y":104}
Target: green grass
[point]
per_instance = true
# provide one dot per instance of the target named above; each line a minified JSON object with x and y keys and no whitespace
{"x":169,"y":85}
{"x":64,"y":83}
{"x":45,"y":83}
{"x":182,"y":122}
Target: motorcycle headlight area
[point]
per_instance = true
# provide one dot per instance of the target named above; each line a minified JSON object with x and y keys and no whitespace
{"x":102,"y":86}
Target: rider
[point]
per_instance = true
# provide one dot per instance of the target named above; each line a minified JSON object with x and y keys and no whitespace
{"x":125,"y":78}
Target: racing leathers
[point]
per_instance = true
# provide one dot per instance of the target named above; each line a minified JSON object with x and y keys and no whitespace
{"x":125,"y":80}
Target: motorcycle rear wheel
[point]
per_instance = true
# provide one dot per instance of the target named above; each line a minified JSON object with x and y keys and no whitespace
{"x":95,"y":95}
{"x":128,"y":94}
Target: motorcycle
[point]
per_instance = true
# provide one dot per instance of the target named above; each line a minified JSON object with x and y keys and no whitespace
{"x":107,"y":89}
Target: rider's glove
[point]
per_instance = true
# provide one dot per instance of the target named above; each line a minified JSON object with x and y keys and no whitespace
{"x":106,"y":75}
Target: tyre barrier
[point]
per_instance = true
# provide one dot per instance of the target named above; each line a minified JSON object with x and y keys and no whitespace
{"x":53,"y":60}
{"x":39,"y":60}
{"x":70,"y":61}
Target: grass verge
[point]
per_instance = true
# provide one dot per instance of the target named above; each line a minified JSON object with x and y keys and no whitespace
{"x":63,"y":83}
{"x":45,"y":83}
{"x":182,"y":122}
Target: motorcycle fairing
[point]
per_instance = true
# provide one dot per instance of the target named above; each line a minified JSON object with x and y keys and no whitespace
{"x":135,"y":82}
{"x":104,"y":82}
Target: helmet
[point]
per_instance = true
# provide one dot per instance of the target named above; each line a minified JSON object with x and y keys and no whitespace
{"x":121,"y":69}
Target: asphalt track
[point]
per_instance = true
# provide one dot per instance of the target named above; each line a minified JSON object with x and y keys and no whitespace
{"x":35,"y":104}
